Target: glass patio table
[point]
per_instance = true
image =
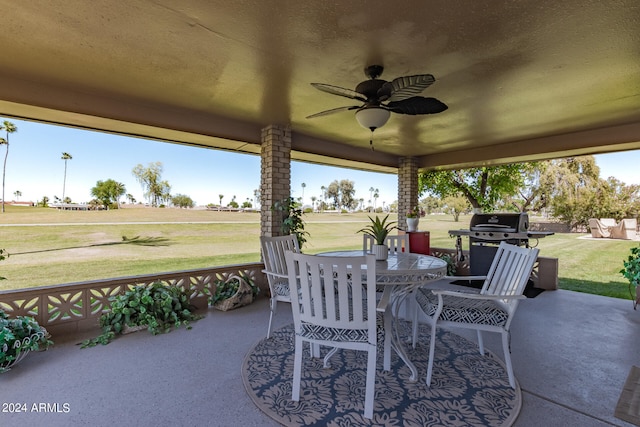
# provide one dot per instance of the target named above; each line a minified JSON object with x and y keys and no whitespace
{"x":400,"y":274}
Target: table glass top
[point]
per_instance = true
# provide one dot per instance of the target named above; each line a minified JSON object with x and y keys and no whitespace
{"x":398,"y":263}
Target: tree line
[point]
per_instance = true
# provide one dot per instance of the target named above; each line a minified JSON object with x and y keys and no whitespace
{"x":569,"y":189}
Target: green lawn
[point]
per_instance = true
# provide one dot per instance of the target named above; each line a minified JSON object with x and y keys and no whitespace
{"x":51,"y":247}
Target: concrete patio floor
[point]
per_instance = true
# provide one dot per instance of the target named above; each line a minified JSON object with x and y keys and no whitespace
{"x":571,"y":353}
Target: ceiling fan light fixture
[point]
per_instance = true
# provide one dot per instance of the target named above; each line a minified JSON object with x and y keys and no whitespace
{"x":372,"y":117}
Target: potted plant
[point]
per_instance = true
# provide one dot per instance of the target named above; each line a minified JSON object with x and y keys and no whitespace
{"x":234,"y":292}
{"x":413,"y":218}
{"x":631,"y":272}
{"x":19,"y":336}
{"x":379,"y":230}
{"x":292,"y":222}
{"x":156,"y":307}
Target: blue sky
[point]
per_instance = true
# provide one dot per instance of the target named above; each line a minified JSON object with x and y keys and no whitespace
{"x":35,"y":168}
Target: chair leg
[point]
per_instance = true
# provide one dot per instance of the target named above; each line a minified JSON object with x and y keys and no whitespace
{"x":297,"y":370}
{"x":274,"y":305}
{"x":329,"y":355}
{"x":432,"y":352}
{"x":370,"y":384}
{"x":414,"y":337}
{"x":386,"y":361}
{"x":507,"y":358}
{"x":314,"y":350}
{"x":480,"y":342}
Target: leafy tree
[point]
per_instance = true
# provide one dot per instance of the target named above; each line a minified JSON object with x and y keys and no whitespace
{"x":568,"y":187}
{"x":333,"y":193}
{"x":456,"y":205}
{"x":8,"y":127}
{"x":182,"y":201}
{"x":108,"y":192}
{"x":44,"y":202}
{"x":155,"y":190}
{"x":347,"y":191}
{"x":483,"y":187}
{"x":431,"y":204}
{"x":66,"y":157}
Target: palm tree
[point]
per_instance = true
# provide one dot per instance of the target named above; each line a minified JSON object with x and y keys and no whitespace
{"x":221,"y":196}
{"x":9,"y":128}
{"x":313,"y":203}
{"x":65,"y":157}
{"x":303,"y":186}
{"x":376,"y":194}
{"x":17,"y":194}
{"x":371,"y":190}
{"x":324,"y":196}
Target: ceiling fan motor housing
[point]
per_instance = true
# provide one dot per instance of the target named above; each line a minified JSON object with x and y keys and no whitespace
{"x":370,"y":88}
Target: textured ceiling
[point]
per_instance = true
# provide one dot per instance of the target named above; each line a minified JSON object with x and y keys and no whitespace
{"x":523,"y":79}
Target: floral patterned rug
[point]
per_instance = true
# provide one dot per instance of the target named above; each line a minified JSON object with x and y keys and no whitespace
{"x":467,"y":389}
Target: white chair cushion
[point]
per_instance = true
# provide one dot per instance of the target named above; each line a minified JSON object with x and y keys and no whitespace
{"x":462,"y":310}
{"x":316,"y":332}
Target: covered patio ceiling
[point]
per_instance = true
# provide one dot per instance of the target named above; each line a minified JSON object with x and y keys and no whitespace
{"x":523,"y":79}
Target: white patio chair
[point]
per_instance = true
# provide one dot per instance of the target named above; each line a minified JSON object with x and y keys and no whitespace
{"x":333,"y":300}
{"x":273,"y":249}
{"x":490,"y":310}
{"x":398,"y":243}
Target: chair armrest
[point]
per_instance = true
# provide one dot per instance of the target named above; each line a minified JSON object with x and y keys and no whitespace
{"x":270,"y":273}
{"x":465,"y":277}
{"x":476,"y":296}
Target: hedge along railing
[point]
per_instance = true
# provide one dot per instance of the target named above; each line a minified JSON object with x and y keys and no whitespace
{"x":75,"y":307}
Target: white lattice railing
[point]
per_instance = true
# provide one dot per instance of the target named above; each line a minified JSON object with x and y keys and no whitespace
{"x":77,"y":306}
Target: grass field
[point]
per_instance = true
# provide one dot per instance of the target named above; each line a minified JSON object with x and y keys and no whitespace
{"x":52,"y":247}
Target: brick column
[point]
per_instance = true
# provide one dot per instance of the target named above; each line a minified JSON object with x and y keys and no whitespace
{"x":407,"y":188}
{"x":275,"y":176}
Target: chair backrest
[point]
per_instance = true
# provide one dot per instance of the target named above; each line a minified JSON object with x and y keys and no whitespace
{"x":398,"y":243}
{"x":608,"y":222}
{"x":510,"y":270}
{"x":334,"y":292}
{"x":273,"y":250}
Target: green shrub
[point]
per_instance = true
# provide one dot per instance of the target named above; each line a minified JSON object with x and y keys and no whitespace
{"x":227,"y":289}
{"x":159,"y":307}
{"x":19,"y":335}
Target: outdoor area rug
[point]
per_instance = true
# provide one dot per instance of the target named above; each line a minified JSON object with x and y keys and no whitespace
{"x":467,"y":389}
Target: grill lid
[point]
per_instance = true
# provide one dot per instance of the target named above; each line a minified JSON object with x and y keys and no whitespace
{"x":503,"y":222}
{"x":493,"y":227}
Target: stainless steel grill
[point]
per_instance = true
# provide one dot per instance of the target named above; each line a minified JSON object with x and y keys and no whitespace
{"x":486,"y":231}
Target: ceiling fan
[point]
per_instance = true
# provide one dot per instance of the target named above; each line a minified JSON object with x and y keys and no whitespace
{"x":381,"y":98}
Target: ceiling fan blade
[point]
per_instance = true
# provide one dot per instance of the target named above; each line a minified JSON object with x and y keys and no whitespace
{"x":333,"y":110}
{"x":417,"y":105}
{"x":340,"y":91}
{"x":405,"y":87}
